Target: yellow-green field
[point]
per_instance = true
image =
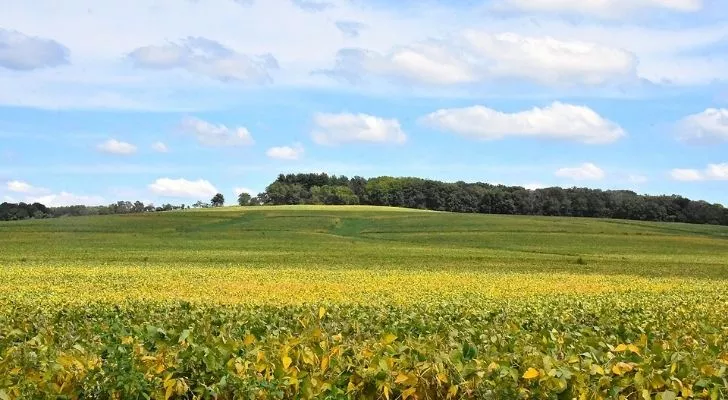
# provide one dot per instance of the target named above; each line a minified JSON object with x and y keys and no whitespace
{"x":361,"y":302}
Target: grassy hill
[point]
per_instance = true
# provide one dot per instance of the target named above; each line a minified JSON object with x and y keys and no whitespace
{"x":499,"y":305}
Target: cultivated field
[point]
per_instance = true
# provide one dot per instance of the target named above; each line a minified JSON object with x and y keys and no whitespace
{"x":361,"y":302}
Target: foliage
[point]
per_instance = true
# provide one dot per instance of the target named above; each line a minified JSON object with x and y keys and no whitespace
{"x":490,"y":199}
{"x":19,"y":211}
{"x":218,"y":200}
{"x":361,"y":302}
{"x":244,"y":199}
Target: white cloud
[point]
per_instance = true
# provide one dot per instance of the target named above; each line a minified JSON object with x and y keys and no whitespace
{"x":34,"y":194}
{"x":332,"y":129}
{"x":557,"y":121}
{"x":210,"y":134}
{"x":114,"y":146}
{"x":686,"y":175}
{"x":422,"y":63}
{"x":66,"y":199}
{"x":584,"y":172}
{"x":21,"y":187}
{"x":605,"y":8}
{"x":709,"y":126}
{"x":476,"y":56}
{"x":286,"y":152}
{"x":24,"y":53}
{"x":206,"y":57}
{"x":551,"y":61}
{"x":160,"y":147}
{"x":182,"y":188}
{"x":534,"y":186}
{"x":715,"y":172}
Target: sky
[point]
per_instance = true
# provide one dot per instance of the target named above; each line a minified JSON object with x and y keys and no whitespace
{"x":172,"y":101}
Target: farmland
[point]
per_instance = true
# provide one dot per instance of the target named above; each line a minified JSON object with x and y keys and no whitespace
{"x":361,"y":302}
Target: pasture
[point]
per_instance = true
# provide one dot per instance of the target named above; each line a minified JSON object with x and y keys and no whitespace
{"x":361,"y":302}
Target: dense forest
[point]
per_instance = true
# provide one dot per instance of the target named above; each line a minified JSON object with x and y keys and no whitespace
{"x":489,"y":199}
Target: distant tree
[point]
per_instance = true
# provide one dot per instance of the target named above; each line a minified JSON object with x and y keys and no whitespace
{"x":218,"y":200}
{"x":244,"y":199}
{"x":138,"y":207}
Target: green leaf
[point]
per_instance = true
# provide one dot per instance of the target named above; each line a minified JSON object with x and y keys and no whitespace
{"x":469,"y":352}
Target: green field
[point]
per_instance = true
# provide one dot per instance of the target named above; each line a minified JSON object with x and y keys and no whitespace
{"x":361,"y":302}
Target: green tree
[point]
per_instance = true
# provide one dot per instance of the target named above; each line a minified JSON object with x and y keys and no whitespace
{"x":244,"y":199}
{"x":218,"y":200}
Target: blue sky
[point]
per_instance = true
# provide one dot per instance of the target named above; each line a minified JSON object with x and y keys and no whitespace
{"x":174,"y":100}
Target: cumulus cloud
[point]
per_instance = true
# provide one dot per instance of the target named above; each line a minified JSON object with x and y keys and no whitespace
{"x":213,"y":135}
{"x":206,"y":57}
{"x":332,"y":129}
{"x":584,"y":172}
{"x":551,"y":61}
{"x":183,"y":188}
{"x":160,"y":147}
{"x":557,"y":121}
{"x":35,"y":194}
{"x":24,"y":53}
{"x":476,"y":56}
{"x":709,"y":126}
{"x":294,"y":152}
{"x":715,"y":172}
{"x":604,"y":8}
{"x":22,"y":187}
{"x":113,"y":146}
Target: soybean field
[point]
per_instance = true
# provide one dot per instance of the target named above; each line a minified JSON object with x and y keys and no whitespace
{"x":355,"y":302}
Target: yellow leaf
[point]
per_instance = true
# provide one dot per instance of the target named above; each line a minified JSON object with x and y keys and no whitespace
{"x":621,"y":347}
{"x":249,"y":339}
{"x":621,"y":367}
{"x":401,"y":378}
{"x":452,"y":392}
{"x":386,"y":391}
{"x":633,"y":349}
{"x":388,"y":338}
{"x":286,"y":362}
{"x":597,"y":369}
{"x":324,"y":363}
{"x":168,"y":392}
{"x":322,"y":312}
{"x":531,"y":373}
{"x":442,"y":377}
{"x":350,"y":387}
{"x":407,"y":393}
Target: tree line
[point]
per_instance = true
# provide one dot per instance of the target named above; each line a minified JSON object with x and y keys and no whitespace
{"x":426,"y":194}
{"x":20,"y":211}
{"x":486,"y":198}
